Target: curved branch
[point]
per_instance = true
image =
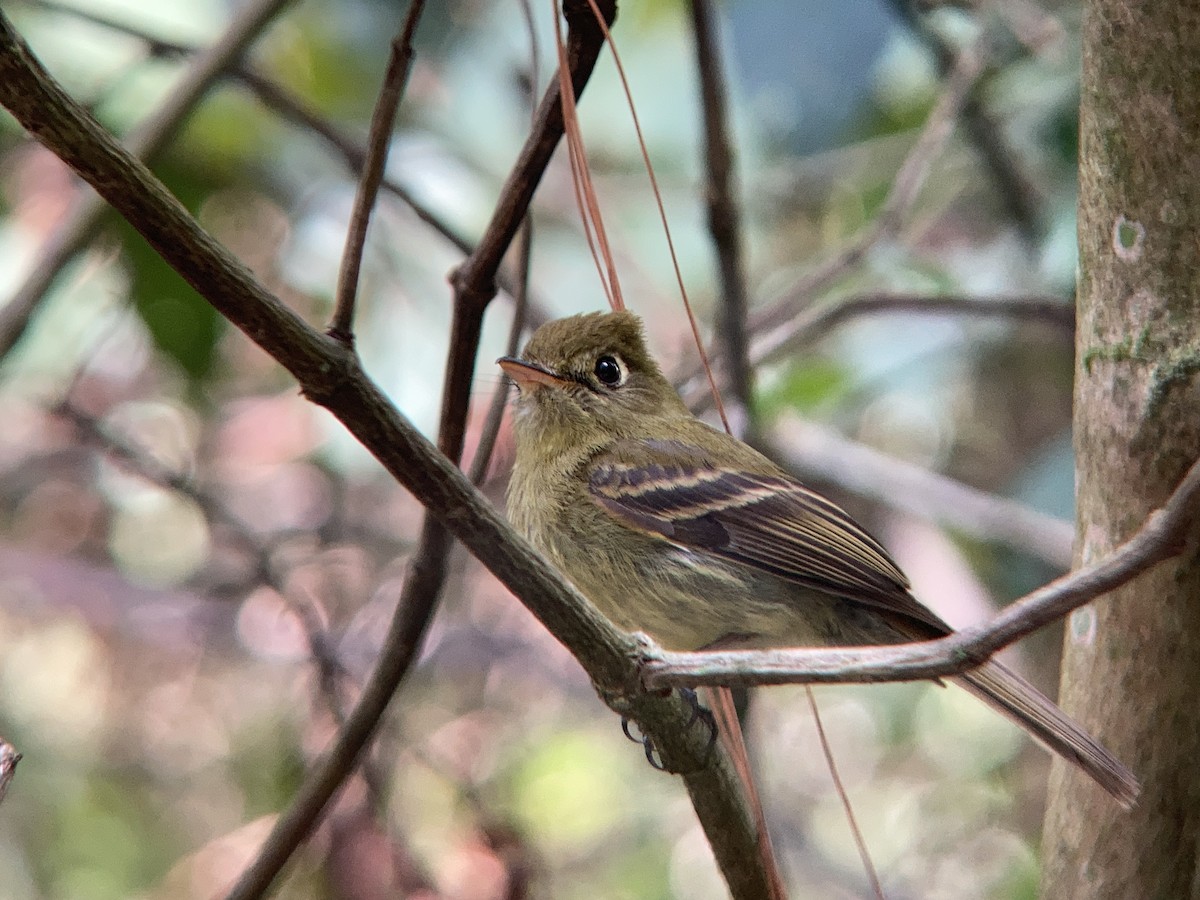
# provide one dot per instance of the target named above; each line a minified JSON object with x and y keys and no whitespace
{"x":1167,"y":532}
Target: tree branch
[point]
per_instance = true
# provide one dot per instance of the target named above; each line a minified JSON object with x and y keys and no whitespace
{"x":1165,"y":533}
{"x":9,"y":757}
{"x":906,"y":186}
{"x":813,"y":323}
{"x":1015,"y":189}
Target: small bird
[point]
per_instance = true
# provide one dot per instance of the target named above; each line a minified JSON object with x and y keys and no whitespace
{"x":683,"y":532}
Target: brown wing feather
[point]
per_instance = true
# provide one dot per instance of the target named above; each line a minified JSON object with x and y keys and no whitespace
{"x":768,"y":521}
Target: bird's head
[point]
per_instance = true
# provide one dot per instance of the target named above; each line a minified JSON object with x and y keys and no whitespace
{"x":586,"y":380}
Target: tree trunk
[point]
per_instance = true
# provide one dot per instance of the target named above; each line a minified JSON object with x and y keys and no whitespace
{"x":1131,"y":670}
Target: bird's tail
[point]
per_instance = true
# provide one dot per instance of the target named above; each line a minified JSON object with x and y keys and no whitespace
{"x":1012,"y":695}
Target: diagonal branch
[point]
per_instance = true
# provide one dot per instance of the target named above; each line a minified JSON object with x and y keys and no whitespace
{"x":330,"y":375}
{"x":1014,"y":187}
{"x":1166,"y":533}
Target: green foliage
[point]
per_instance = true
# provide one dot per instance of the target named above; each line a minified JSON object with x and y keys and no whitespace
{"x":267,"y":766}
{"x":183,"y":326}
{"x":99,"y":847}
{"x":807,"y":384}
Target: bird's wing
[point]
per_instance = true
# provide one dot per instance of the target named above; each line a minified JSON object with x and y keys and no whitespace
{"x":767,"y":521}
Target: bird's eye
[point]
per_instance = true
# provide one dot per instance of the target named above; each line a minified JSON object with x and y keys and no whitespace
{"x":608,"y":371}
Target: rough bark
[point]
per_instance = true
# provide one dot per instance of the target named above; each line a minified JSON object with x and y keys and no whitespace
{"x":1131,"y":672}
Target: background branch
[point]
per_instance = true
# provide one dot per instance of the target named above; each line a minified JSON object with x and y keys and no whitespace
{"x":1014,"y":188}
{"x":910,"y":178}
{"x":146,"y":141}
{"x":813,"y":323}
{"x":822,"y":453}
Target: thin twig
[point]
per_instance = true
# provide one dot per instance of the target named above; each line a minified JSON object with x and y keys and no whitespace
{"x":863,"y":853}
{"x":83,"y":220}
{"x":474,"y":286}
{"x":283,"y":102}
{"x":1165,"y":533}
{"x":1015,"y":189}
{"x":490,"y":430}
{"x":395,"y":80}
{"x":588,"y":202}
{"x":724,"y":216}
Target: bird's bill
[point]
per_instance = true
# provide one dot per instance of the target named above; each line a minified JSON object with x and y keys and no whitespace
{"x":530,"y":375}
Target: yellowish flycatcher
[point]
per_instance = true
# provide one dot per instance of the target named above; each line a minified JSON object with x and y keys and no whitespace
{"x":687,"y":534}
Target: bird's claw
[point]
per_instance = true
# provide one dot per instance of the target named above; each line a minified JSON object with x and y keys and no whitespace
{"x":700,"y":713}
{"x":647,"y":745}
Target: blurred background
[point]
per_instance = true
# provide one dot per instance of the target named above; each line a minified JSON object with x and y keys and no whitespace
{"x":183,"y":538}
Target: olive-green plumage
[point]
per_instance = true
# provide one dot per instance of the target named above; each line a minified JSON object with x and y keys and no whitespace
{"x":693,"y":537}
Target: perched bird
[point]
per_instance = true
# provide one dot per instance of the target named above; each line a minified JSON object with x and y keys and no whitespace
{"x":683,"y":532}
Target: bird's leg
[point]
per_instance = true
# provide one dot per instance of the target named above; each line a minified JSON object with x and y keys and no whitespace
{"x":700,"y":713}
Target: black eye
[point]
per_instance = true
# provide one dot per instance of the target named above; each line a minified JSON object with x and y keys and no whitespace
{"x":608,"y":371}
